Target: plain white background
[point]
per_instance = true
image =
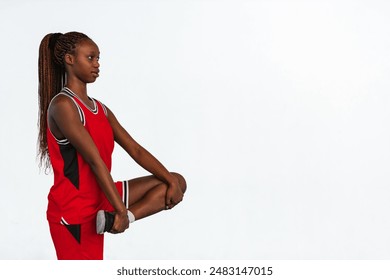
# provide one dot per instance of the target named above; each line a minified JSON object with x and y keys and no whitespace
{"x":276,"y":112}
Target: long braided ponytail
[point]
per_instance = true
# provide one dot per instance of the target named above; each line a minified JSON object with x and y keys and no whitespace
{"x":52,"y":78}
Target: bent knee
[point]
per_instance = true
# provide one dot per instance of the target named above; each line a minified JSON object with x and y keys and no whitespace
{"x":182,"y":181}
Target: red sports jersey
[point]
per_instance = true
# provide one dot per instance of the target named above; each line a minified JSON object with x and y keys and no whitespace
{"x":76,"y":196}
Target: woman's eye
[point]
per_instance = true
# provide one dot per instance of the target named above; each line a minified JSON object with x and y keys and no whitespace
{"x":91,"y":57}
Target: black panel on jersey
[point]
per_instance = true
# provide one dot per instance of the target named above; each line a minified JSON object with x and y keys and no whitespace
{"x":71,"y":166}
{"x":75,"y":230}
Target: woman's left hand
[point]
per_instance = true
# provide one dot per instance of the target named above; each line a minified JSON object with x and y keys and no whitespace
{"x":174,"y":195}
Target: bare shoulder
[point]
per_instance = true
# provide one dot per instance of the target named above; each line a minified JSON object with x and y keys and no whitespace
{"x":62,"y":104}
{"x":64,"y":117}
{"x":63,"y":112}
{"x":111,"y":117}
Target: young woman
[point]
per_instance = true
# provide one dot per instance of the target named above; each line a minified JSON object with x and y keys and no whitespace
{"x":76,"y":137}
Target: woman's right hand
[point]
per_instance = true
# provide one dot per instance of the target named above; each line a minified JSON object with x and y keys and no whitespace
{"x":121,"y":222}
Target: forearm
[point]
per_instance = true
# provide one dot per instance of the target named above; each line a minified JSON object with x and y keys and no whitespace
{"x":145,"y":159}
{"x":106,"y":183}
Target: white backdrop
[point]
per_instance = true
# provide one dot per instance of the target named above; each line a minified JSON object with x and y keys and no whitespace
{"x":276,"y":112}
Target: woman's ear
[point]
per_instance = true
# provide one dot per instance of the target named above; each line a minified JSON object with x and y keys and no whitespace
{"x":69,"y":59}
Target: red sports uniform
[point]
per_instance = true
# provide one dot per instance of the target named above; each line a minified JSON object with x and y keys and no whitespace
{"x":75,"y":197}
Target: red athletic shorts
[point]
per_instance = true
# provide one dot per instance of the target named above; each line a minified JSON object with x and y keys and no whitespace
{"x":90,"y":244}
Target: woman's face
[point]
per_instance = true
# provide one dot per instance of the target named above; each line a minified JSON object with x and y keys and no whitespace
{"x":85,"y":62}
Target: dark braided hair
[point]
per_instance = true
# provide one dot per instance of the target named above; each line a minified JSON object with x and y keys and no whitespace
{"x":52,"y":78}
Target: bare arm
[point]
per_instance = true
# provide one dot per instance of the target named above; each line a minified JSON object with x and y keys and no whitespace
{"x":64,"y":121}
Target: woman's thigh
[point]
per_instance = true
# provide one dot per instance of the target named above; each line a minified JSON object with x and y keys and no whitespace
{"x":138,"y":187}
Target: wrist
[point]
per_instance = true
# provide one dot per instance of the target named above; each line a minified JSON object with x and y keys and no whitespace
{"x":121,"y":211}
{"x":173,"y":181}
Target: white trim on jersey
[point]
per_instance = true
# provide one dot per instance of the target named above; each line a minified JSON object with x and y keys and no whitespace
{"x":63,"y":222}
{"x":62,"y":142}
{"x":125,"y":193}
{"x":104,"y":107}
{"x":94,"y":110}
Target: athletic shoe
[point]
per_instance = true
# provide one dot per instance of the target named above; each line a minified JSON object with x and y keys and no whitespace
{"x":104,"y":221}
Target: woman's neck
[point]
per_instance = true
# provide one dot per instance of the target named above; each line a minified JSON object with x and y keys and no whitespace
{"x":78,"y":87}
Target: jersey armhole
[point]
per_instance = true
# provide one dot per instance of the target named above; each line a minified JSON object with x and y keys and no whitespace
{"x":103,"y":106}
